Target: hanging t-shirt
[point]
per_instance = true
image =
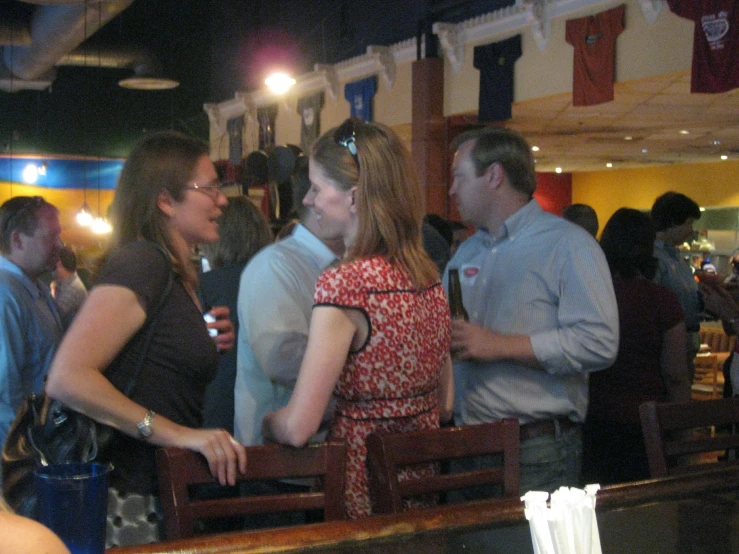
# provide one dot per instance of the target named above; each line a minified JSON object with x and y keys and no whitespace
{"x":359,"y":95}
{"x":309,"y":108}
{"x":235,"y":128}
{"x":594,"y":40}
{"x":715,"y":43}
{"x":495,"y":62}
{"x":266,"y":117}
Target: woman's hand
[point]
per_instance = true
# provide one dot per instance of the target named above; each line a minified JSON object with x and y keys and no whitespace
{"x":226,"y":338}
{"x":226,"y":456}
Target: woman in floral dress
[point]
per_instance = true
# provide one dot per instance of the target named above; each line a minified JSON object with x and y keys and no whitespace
{"x":379,"y":333}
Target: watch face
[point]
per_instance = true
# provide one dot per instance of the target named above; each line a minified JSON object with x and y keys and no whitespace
{"x":146,"y":427}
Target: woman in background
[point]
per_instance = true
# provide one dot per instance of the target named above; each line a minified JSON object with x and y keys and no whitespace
{"x":243,"y":232}
{"x":167,"y":200}
{"x":651,"y":362}
{"x":380,"y":330}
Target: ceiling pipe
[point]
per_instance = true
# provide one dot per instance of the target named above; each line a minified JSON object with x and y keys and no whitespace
{"x":109,"y":58}
{"x":146,"y":67}
{"x":56,"y":29}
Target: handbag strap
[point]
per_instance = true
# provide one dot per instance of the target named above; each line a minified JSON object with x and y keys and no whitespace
{"x":151,"y":320}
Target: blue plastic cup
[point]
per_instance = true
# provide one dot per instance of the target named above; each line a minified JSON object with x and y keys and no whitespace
{"x":73,"y":502}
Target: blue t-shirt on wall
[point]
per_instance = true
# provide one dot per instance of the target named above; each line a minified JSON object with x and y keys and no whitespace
{"x":359,"y":95}
{"x":495,"y":62}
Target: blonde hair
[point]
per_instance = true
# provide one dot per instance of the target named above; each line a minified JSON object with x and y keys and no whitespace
{"x":390,"y":201}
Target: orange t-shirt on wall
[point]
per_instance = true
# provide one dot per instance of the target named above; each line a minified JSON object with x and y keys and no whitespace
{"x":594,"y":40}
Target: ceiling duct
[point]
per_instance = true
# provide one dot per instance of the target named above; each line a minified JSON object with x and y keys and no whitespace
{"x":146,"y":67}
{"x":56,"y":29}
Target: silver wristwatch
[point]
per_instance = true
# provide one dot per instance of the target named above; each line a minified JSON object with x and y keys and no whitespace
{"x":146,"y":427}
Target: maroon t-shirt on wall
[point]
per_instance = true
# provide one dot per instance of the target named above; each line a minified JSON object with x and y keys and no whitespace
{"x":715,"y":43}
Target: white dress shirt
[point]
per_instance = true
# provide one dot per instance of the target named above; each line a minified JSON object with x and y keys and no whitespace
{"x":274,"y":305}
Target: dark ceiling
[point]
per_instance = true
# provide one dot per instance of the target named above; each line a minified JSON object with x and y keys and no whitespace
{"x":213,"y":48}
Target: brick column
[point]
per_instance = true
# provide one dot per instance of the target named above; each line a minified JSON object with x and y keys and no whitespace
{"x":429,"y":141}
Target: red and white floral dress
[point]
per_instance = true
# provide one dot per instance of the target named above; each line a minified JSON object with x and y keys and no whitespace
{"x":391,"y":383}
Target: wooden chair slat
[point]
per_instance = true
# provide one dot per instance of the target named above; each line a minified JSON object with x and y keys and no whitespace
{"x":667,"y":431}
{"x":387,"y":453}
{"x":180,"y":470}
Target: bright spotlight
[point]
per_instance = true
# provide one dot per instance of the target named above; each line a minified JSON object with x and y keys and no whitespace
{"x":30,"y":174}
{"x":279,"y":83}
{"x":100,"y":227}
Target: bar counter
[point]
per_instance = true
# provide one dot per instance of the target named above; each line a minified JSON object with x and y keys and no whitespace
{"x":690,"y":513}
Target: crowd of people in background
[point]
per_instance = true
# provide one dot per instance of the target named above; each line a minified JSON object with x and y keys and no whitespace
{"x":337,"y":325}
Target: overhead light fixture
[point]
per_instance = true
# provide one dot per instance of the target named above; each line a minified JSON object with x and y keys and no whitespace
{"x":609,"y":164}
{"x":149,"y":81}
{"x":628,"y":137}
{"x":558,"y":170}
{"x":30,"y":174}
{"x":100,"y":226}
{"x":279,"y":83}
{"x":644,"y":150}
{"x":684,"y":132}
{"x":724,"y":157}
{"x":535,"y":148}
{"x":84,"y":216}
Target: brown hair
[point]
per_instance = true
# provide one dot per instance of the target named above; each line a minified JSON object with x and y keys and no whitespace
{"x":390,"y":202}
{"x":21,"y":213}
{"x":506,"y":147}
{"x":160,"y":161}
{"x":243,"y":232}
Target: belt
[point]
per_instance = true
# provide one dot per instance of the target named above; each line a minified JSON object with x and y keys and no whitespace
{"x":546,"y":427}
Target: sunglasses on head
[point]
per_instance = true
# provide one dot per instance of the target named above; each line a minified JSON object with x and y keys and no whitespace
{"x":345,"y":136}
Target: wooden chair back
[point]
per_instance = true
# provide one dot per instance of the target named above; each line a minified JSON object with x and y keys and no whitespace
{"x":179,"y":470}
{"x":386,"y":453}
{"x":677,"y":433}
{"x":706,"y":382}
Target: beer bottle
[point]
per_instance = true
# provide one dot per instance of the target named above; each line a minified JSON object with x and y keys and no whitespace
{"x":456,"y":307}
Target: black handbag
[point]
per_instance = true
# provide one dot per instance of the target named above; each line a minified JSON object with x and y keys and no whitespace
{"x":46,"y":432}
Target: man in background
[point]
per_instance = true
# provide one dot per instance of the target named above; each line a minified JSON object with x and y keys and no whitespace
{"x":584,"y":216}
{"x":274,"y":306}
{"x":673,"y":215}
{"x":70,"y":291}
{"x":30,"y":328}
{"x":542,"y":310}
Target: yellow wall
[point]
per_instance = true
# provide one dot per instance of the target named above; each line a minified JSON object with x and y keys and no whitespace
{"x":709,"y":184}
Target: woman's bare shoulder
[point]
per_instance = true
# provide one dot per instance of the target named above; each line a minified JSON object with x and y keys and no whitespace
{"x":25,"y":536}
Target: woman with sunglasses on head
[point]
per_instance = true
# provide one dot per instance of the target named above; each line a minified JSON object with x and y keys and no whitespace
{"x":167,"y":200}
{"x":379,"y":332}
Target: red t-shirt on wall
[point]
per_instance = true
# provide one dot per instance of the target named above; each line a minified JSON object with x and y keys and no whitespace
{"x":594,"y":40}
{"x":715,"y":43}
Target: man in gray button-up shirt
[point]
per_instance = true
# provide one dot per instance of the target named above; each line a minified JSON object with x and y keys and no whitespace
{"x":541,"y":304}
